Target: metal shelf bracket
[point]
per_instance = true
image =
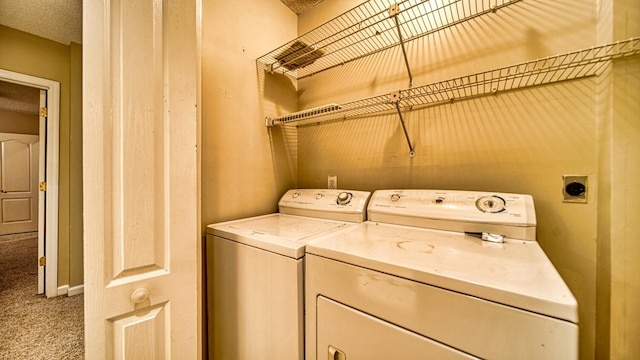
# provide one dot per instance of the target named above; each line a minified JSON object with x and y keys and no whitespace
{"x":395,"y":98}
{"x":394,"y":10}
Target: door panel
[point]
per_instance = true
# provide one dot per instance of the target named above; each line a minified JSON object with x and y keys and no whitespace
{"x":16,"y":158}
{"x":16,"y":210}
{"x":141,"y":179}
{"x":149,"y":324}
{"x":18,"y":183}
{"x":347,"y":333}
{"x":139,"y":124}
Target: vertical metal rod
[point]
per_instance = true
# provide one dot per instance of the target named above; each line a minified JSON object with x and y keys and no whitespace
{"x":404,"y":52}
{"x":404,"y":128}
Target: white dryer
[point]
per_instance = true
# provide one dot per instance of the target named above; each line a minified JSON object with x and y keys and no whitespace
{"x":438,"y":275}
{"x":255,"y":273}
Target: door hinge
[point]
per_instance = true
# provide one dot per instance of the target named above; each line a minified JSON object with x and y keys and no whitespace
{"x":42,"y":261}
{"x":43,"y":186}
{"x":43,"y":112}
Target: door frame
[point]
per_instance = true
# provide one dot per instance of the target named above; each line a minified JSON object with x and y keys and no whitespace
{"x":47,"y":209}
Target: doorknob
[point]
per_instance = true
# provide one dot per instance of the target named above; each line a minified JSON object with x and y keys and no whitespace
{"x":139,"y":295}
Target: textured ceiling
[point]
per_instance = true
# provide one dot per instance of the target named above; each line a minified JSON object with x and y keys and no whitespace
{"x":57,"y":20}
{"x":19,"y":98}
{"x":300,"y":6}
{"x":60,"y":21}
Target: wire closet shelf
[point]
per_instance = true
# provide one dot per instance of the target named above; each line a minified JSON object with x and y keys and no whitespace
{"x":369,"y":28}
{"x":562,"y":67}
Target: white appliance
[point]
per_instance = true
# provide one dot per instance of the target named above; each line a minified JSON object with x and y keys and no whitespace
{"x":255,"y":273}
{"x":438,"y":275}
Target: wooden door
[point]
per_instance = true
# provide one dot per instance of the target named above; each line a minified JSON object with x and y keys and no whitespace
{"x":18,"y":183}
{"x":141,"y":226}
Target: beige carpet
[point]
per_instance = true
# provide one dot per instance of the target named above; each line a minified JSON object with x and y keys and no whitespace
{"x":32,"y":326}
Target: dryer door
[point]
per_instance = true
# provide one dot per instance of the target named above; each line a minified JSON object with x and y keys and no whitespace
{"x":345,"y":333}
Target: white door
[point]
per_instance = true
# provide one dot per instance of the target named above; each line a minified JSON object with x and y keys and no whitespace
{"x":18,"y":183}
{"x":141,"y":176}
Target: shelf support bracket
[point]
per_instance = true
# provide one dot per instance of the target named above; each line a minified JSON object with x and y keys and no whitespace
{"x":395,"y":99}
{"x":394,"y":10}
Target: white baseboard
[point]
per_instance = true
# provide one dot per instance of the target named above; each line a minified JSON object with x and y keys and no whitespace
{"x":70,"y":291}
{"x":76,"y":290}
{"x":63,"y":290}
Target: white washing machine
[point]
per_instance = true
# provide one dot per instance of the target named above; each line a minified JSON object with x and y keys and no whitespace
{"x":438,"y":275}
{"x":255,"y":273}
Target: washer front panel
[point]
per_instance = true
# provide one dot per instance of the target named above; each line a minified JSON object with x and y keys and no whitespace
{"x":341,"y":330}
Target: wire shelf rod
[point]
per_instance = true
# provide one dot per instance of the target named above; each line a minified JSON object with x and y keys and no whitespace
{"x":562,"y":67}
{"x":368,"y":29}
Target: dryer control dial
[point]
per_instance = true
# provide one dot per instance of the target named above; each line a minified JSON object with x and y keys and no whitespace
{"x":491,"y":204}
{"x":344,"y":198}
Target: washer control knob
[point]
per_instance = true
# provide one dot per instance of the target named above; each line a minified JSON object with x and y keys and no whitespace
{"x":491,"y":204}
{"x":439,"y":200}
{"x":395,"y":197}
{"x":319,"y":196}
{"x":296,"y":194}
{"x":344,"y":198}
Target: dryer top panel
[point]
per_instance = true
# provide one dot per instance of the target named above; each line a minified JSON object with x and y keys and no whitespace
{"x":510,"y":215}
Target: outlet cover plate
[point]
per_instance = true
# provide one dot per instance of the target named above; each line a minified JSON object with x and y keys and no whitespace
{"x":574,"y":188}
{"x":332,"y":182}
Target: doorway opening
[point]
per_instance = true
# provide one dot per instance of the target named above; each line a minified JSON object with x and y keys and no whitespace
{"x":47,"y":176}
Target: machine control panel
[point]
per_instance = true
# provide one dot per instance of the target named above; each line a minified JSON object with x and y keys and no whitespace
{"x":486,"y":211}
{"x":326,"y":203}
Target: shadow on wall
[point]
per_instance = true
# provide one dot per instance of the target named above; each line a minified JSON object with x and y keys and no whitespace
{"x":278,"y":93}
{"x":284,"y":152}
{"x":492,"y":138}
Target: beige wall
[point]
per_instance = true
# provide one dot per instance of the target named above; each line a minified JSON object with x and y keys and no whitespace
{"x":76,"y":268}
{"x":619,"y":149}
{"x":521,"y":141}
{"x":18,"y":123}
{"x":32,"y":55}
{"x":245,"y":166}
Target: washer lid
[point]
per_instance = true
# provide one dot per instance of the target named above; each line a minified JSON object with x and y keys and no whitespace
{"x":515,"y":273}
{"x":280,"y":233}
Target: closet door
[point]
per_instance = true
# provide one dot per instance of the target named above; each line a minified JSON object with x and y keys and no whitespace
{"x":18,"y":183}
{"x":141,"y":230}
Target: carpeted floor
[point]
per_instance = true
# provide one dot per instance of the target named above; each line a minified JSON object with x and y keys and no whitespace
{"x":32,"y":326}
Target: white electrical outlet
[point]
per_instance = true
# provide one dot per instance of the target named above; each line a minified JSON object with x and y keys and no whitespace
{"x":332,"y":182}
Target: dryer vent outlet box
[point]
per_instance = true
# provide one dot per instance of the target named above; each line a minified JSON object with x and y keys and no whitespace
{"x":574,"y":188}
